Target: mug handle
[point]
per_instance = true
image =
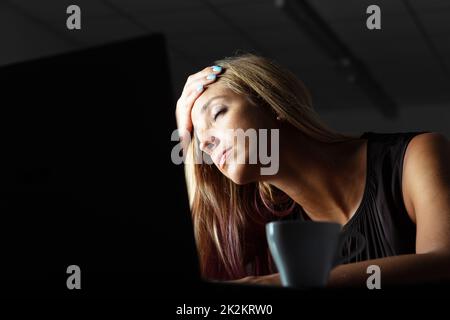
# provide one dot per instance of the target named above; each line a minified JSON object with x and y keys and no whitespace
{"x":359,"y":249}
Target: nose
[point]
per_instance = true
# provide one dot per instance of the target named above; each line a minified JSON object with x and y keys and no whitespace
{"x":209,"y":144}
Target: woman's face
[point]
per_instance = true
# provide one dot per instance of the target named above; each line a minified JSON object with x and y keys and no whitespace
{"x":221,"y":118}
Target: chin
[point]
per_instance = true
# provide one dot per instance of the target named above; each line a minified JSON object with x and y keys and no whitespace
{"x":241,"y":174}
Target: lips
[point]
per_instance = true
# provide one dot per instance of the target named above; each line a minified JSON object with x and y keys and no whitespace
{"x":223,"y":157}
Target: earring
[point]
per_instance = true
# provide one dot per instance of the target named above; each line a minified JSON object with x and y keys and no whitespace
{"x":279,"y":118}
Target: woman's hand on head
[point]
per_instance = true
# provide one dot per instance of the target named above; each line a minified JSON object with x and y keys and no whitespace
{"x":194,"y":87}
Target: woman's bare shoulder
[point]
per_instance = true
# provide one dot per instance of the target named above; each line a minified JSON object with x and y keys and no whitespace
{"x":426,"y":167}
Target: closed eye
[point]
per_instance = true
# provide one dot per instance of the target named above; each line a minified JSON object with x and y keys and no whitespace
{"x":219,"y":113}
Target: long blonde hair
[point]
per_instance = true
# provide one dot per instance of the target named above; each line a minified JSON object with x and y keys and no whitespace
{"x":229,"y":219}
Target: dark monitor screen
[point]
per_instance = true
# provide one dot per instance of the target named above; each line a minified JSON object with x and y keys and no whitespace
{"x":86,"y":177}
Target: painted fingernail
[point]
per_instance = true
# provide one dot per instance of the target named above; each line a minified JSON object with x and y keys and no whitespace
{"x":200,"y":87}
{"x":211,"y":76}
{"x":217,"y":68}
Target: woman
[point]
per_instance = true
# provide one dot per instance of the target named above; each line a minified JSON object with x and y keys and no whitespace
{"x":394,"y":189}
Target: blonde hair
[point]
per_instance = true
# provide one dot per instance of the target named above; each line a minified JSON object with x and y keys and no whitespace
{"x":229,"y":219}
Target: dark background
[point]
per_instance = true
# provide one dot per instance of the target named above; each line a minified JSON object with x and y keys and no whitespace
{"x":86,"y":176}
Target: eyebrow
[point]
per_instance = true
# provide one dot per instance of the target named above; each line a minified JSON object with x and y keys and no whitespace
{"x":207,"y":104}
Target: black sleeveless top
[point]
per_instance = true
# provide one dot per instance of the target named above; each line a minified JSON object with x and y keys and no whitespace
{"x":381,"y":218}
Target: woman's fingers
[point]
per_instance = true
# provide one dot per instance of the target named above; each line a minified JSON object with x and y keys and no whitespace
{"x":209,"y":74}
{"x":194,"y":87}
{"x":271,"y":279}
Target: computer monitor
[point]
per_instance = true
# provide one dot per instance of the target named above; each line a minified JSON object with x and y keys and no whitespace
{"x":86,"y":175}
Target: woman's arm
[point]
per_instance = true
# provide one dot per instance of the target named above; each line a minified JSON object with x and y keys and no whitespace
{"x":404,"y":269}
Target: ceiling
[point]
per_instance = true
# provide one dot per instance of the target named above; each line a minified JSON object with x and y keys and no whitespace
{"x":409,"y":58}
